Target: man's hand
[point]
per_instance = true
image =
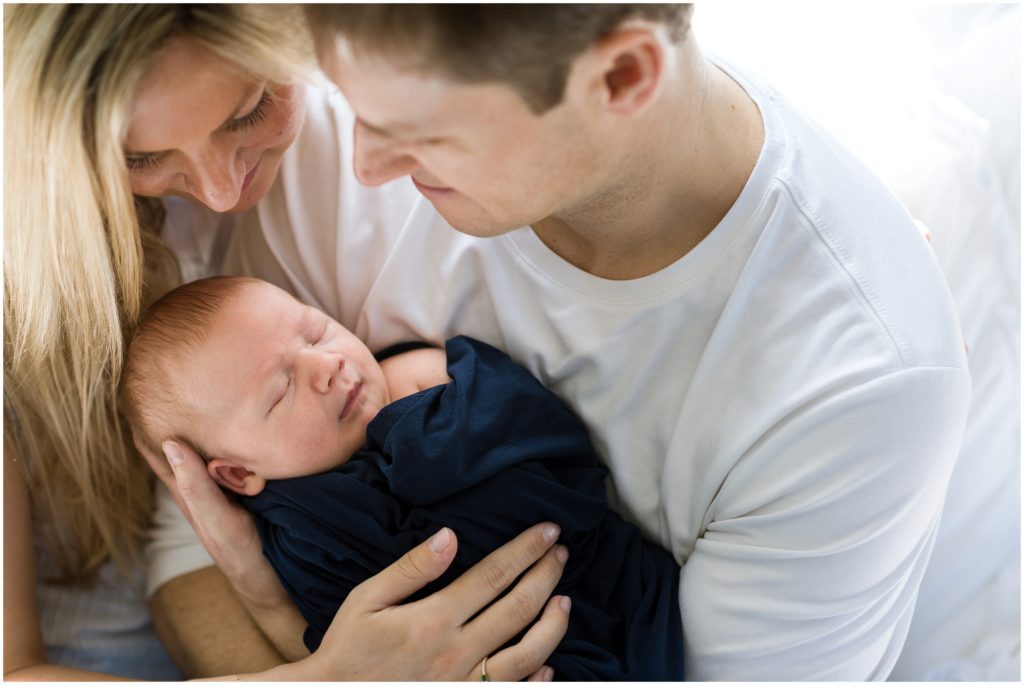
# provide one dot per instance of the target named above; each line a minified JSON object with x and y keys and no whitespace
{"x":228,"y":533}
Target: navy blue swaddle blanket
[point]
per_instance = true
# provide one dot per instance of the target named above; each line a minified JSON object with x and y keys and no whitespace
{"x":489,"y":454}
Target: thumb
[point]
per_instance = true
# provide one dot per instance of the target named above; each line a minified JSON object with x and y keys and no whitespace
{"x":196,"y":488}
{"x":417,"y":567}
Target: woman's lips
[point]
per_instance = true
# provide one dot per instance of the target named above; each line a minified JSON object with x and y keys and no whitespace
{"x":251,"y":175}
{"x":353,"y":395}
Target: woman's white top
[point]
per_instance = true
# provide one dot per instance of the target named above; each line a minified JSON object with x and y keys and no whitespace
{"x":102,"y":626}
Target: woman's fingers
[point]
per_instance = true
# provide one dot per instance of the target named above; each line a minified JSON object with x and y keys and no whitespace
{"x":374,"y":636}
{"x":477,"y":587}
{"x":542,"y":675}
{"x":526,"y":658}
{"x":517,"y":609}
{"x":417,"y":567}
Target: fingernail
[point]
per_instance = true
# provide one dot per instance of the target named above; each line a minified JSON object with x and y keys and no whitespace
{"x":173,"y":454}
{"x":551,"y":532}
{"x":547,"y":674}
{"x":562,"y":552}
{"x":565,"y":603}
{"x":441,"y":540}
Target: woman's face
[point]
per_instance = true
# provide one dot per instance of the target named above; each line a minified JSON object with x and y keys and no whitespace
{"x":200,"y":129}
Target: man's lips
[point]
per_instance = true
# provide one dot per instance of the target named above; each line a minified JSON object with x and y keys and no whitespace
{"x":430,"y":190}
{"x":353,"y":395}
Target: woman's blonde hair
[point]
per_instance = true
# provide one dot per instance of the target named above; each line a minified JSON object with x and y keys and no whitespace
{"x":82,"y":255}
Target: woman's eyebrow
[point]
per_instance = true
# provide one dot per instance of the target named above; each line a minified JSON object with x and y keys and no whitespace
{"x":246,"y":96}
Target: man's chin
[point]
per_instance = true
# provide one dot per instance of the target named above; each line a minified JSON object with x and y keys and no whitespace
{"x":476,"y":226}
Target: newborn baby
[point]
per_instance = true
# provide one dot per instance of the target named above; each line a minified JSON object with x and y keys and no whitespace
{"x":347,"y":462}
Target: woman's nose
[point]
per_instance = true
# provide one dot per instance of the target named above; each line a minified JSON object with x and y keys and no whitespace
{"x":216,"y":179}
{"x":377,"y":159}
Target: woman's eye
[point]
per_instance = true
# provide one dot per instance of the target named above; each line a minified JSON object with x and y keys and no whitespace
{"x":256,"y":116}
{"x":140,"y":163}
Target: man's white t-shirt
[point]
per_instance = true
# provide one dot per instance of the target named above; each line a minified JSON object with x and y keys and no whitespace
{"x":781,"y":408}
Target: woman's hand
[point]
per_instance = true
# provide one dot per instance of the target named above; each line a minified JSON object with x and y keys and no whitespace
{"x":440,"y":637}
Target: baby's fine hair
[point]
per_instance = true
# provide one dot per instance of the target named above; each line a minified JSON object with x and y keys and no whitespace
{"x":150,"y":392}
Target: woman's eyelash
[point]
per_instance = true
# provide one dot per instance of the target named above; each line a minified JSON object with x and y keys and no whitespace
{"x":256,"y":116}
{"x":143,"y":162}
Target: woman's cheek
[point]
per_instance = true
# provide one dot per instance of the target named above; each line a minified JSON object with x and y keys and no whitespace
{"x":291,"y":112}
{"x":146,"y":187}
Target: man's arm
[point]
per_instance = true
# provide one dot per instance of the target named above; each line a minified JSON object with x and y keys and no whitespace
{"x":810,"y":565}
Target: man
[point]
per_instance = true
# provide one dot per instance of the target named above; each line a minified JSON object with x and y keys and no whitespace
{"x":753,"y":329}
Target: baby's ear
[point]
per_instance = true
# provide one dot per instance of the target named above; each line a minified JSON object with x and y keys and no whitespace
{"x":235,"y":478}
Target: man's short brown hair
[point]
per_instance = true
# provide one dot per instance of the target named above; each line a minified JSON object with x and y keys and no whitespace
{"x":528,"y":47}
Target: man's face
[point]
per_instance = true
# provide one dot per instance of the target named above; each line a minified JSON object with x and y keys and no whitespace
{"x":281,"y":388}
{"x":485,"y":161}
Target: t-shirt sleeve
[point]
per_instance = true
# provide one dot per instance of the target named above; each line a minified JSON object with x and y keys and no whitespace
{"x":173,"y":548}
{"x":810,"y":564}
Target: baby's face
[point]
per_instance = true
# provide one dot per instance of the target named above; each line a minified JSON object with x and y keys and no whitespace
{"x":281,"y":388}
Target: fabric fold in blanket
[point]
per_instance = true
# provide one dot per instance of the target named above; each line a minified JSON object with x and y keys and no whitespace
{"x":488,"y":455}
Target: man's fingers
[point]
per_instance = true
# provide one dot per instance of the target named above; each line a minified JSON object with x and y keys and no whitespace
{"x":157,"y":462}
{"x":190,"y":475}
{"x":199,"y":496}
{"x":477,"y":587}
{"x":518,"y":609}
{"x":526,"y":658}
{"x":417,"y":567}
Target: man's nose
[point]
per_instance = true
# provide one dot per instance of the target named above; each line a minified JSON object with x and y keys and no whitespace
{"x":321,"y":368}
{"x":378,"y":160}
{"x":216,"y":178}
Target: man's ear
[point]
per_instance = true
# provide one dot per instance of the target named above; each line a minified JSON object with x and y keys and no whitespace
{"x":630,"y":65}
{"x":235,"y":478}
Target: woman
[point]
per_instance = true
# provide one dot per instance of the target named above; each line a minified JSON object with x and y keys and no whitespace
{"x":82,"y":256}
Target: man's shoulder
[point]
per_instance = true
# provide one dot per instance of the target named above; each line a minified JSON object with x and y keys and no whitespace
{"x":829,"y":204}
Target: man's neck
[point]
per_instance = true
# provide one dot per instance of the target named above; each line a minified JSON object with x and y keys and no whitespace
{"x":683,"y":171}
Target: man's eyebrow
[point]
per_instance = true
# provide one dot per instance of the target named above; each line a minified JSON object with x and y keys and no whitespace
{"x":231,"y":117}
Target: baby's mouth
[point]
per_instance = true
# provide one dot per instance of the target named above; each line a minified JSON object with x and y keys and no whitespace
{"x":353,"y":395}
